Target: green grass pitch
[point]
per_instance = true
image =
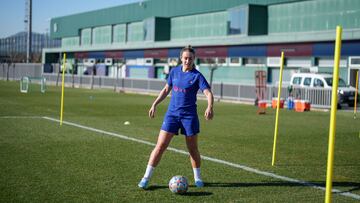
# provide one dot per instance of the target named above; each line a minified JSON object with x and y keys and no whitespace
{"x":43,"y":162}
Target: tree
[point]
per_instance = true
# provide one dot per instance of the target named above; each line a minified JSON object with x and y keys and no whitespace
{"x":212,"y":67}
{"x":13,"y":57}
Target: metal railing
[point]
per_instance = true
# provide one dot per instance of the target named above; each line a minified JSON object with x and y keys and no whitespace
{"x":318,"y":97}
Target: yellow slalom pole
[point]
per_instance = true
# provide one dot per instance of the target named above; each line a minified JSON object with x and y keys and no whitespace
{"x":332,"y":130}
{"x":62,"y":89}
{"x":356,"y":92}
{"x":278,"y":107}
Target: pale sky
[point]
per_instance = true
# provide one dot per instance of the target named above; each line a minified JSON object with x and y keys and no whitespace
{"x":12,"y":12}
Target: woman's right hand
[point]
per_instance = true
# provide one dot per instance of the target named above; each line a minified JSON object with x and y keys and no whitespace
{"x":164,"y":92}
{"x":152,"y":111}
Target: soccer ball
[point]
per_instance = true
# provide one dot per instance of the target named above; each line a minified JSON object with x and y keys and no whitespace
{"x":178,"y":184}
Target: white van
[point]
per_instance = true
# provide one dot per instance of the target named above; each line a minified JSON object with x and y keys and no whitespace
{"x":346,"y":94}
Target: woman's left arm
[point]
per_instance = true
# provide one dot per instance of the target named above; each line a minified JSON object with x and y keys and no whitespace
{"x":209,"y":113}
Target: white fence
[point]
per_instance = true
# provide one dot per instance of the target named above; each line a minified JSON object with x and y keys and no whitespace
{"x":319,"y":98}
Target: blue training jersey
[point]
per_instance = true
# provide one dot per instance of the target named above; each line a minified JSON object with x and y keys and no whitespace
{"x":185,"y":86}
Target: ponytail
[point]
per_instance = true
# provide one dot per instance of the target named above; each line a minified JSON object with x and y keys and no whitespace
{"x":189,"y":49}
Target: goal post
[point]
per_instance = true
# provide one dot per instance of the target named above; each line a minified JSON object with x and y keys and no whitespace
{"x":25,"y":83}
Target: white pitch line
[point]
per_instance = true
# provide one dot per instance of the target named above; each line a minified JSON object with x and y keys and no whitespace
{"x":16,"y":117}
{"x":243,"y":167}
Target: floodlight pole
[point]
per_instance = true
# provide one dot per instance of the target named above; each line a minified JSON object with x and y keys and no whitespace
{"x":29,"y":30}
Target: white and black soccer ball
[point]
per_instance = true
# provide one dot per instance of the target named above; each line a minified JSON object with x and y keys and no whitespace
{"x":178,"y":184}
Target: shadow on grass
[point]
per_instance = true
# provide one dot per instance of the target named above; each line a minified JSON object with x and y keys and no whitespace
{"x":354,"y":185}
{"x":188,"y":193}
{"x":156,"y":187}
{"x":197,"y":193}
{"x":317,"y":165}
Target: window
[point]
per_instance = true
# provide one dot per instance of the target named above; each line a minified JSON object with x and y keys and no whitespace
{"x":135,"y":32}
{"x":254,"y":61}
{"x":237,"y":21}
{"x":203,"y":61}
{"x":160,"y":60}
{"x":101,"y":35}
{"x":86,"y":36}
{"x":330,"y":80}
{"x":119,"y":61}
{"x":297,"y":81}
{"x":273,"y":61}
{"x":318,"y":83}
{"x":329,"y":62}
{"x":202,"y":25}
{"x":108,"y":61}
{"x":298,"y":62}
{"x":70,"y":41}
{"x":307,"y":81}
{"x":354,"y":61}
{"x":100,"y":61}
{"x":131,"y":62}
{"x":149,"y":29}
{"x":149,"y":61}
{"x":235,"y":61}
{"x":119,"y":33}
{"x":221,"y":61}
{"x":55,"y":27}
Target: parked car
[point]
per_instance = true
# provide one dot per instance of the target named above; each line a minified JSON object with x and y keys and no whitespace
{"x":346,"y":94}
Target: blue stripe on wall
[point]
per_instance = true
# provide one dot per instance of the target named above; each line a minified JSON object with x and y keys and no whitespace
{"x":247,"y":51}
{"x":134,"y":54}
{"x":351,"y":49}
{"x":174,"y":53}
{"x":323,"y":49}
{"x":97,"y":55}
{"x":328,"y":49}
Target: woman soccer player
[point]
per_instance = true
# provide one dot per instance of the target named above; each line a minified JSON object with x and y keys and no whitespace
{"x":184,"y":81}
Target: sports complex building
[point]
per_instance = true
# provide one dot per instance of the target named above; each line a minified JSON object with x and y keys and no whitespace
{"x":237,"y":37}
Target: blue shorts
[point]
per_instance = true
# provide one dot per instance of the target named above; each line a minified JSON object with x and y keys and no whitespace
{"x":188,"y":124}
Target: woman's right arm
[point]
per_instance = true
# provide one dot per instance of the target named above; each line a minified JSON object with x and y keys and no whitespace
{"x":162,"y":95}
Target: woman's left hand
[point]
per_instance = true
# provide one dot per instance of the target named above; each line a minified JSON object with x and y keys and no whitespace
{"x":209,"y":113}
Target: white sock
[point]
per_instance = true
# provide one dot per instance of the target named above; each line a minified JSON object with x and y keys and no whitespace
{"x":197,"y":175}
{"x":149,"y":171}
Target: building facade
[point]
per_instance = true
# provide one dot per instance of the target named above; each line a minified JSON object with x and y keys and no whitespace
{"x":14,"y":47}
{"x":235,"y":38}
